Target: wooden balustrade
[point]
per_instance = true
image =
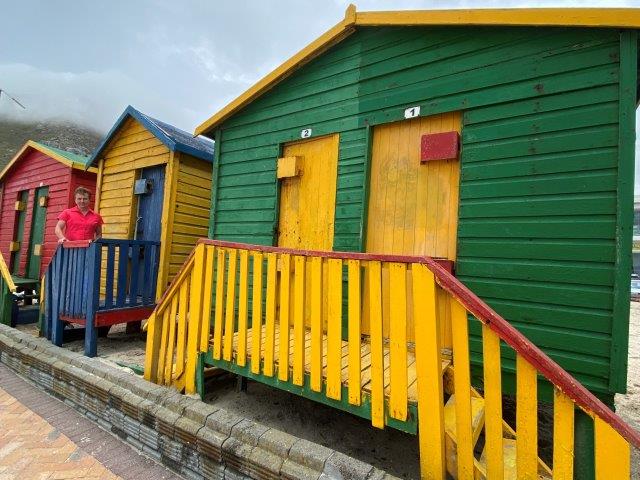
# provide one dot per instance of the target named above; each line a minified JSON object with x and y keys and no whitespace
{"x":100,"y":283}
{"x":296,"y":320}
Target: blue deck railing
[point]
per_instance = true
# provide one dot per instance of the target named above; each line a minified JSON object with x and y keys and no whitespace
{"x":99,"y":283}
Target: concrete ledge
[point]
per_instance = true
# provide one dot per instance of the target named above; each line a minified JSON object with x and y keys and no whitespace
{"x":190,"y":437}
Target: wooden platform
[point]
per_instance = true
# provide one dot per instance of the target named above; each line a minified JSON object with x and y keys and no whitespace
{"x":365,"y":360}
{"x":19,"y":281}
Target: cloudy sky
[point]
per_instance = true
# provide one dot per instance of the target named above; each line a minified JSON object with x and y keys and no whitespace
{"x":179,"y":61}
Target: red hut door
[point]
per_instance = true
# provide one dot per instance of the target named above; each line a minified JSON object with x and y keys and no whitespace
{"x":34,"y":254}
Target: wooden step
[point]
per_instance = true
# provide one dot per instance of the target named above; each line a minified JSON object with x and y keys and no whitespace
{"x":509,"y":456}
{"x":450,"y":428}
{"x":510,"y":469}
{"x":477,"y":417}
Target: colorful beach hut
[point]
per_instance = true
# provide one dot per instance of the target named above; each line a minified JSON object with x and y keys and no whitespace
{"x":422,"y":203}
{"x":505,"y":149}
{"x":154,"y":184}
{"x":35,"y":186}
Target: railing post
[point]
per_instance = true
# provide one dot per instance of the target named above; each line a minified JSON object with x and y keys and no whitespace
{"x":5,"y":303}
{"x":195,"y":319}
{"x":48,"y":300}
{"x":153,"y":273}
{"x":57,"y":327}
{"x":92,"y":265}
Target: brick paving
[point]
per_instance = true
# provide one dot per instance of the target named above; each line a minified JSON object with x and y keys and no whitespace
{"x":43,"y":438}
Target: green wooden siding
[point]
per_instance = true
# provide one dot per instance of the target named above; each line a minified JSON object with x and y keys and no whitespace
{"x":19,"y":232}
{"x":38,"y":220}
{"x":539,"y":173}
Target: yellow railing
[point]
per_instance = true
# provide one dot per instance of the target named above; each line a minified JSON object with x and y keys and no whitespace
{"x":280,"y":313}
{"x":6,"y":275}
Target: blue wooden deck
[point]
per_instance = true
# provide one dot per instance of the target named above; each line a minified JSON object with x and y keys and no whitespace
{"x":99,"y":283}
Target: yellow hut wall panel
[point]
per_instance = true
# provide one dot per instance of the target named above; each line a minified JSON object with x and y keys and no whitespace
{"x":192,"y":209}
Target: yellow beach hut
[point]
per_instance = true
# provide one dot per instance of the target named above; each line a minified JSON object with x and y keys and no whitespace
{"x":154,"y":183}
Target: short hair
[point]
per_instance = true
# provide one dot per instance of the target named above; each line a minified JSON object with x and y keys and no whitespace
{"x":82,"y":191}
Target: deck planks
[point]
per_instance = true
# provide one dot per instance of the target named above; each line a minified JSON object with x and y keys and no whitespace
{"x":365,"y":360}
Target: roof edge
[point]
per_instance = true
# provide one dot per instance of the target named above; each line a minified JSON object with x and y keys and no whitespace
{"x":137,"y":115}
{"x":552,"y":17}
{"x":331,"y":37}
{"x":43,"y":149}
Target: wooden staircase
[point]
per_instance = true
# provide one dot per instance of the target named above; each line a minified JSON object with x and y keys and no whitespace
{"x":478,"y":441}
{"x":314,"y":323}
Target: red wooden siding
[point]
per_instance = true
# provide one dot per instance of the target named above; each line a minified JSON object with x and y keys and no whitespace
{"x":35,"y":169}
{"x":80,"y":178}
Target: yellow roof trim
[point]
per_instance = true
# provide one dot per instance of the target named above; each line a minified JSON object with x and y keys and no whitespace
{"x":551,"y":17}
{"x":46,"y":151}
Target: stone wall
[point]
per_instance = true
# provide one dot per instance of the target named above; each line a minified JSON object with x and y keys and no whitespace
{"x":192,"y":438}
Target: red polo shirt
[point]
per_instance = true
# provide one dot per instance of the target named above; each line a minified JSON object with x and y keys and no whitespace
{"x":79,"y":226}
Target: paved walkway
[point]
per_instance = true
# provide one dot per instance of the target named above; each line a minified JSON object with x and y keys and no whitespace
{"x":43,"y":438}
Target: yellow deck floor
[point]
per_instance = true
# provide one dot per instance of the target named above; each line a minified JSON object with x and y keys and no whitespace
{"x":365,"y":360}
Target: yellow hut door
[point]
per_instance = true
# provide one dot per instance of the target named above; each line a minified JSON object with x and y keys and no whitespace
{"x":413,"y":205}
{"x":307,"y":174}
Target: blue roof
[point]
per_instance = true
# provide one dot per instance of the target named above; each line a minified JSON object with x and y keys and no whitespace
{"x":174,"y":138}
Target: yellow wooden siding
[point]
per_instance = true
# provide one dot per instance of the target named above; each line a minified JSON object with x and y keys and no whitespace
{"x":192,"y":208}
{"x":307,"y":201}
{"x":413,"y":206}
{"x":132,"y":148}
{"x":128,"y":151}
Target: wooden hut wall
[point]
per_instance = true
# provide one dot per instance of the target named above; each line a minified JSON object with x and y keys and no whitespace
{"x":34,"y":170}
{"x":187,"y":194}
{"x":187,"y":211}
{"x":133,"y":148}
{"x":545,"y":118}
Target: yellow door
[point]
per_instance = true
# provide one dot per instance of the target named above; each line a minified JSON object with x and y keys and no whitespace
{"x":308,"y":200}
{"x":307,"y":206}
{"x":413,"y":206}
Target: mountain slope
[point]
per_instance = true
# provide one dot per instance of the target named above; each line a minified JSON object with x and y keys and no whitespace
{"x":66,"y":136}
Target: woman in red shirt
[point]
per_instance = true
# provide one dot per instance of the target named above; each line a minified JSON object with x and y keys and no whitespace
{"x":79,"y":222}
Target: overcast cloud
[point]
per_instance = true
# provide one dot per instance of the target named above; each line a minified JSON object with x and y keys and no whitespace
{"x":177,"y":61}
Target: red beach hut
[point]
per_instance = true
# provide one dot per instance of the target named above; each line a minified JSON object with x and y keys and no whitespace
{"x":36,"y":185}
